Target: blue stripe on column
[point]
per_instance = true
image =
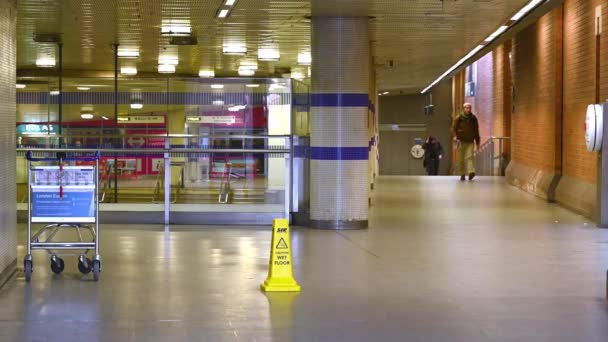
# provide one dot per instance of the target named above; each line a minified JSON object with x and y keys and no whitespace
{"x":339,"y":153}
{"x":340,"y":100}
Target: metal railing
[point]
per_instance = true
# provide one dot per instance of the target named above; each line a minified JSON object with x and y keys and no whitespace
{"x":183,"y":147}
{"x":490,"y":159}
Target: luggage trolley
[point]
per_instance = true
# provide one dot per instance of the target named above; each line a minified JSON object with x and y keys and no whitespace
{"x":64,"y":198}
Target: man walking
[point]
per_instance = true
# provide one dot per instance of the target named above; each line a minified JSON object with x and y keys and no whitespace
{"x":465,"y":131}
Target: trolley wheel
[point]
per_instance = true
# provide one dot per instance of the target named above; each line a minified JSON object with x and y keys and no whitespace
{"x":85,"y":265}
{"x":28,"y":268}
{"x":96,"y":269}
{"x":57,"y":264}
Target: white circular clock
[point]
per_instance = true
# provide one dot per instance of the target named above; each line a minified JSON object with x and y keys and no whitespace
{"x":417,"y":151}
{"x":594,"y":126}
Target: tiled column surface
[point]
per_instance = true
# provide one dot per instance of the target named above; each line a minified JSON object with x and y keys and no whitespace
{"x":339,"y":137}
{"x":8,"y":187}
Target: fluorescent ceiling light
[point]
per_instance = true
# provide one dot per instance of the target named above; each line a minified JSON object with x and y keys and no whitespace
{"x":217,"y":86}
{"x":234,"y":49}
{"x":137,"y":105}
{"x":297,"y":75}
{"x":304,"y":58}
{"x":128,"y":53}
{"x":206,"y":73}
{"x":166,"y":68}
{"x":246,"y":72}
{"x":252,"y":85}
{"x":105,"y":118}
{"x":522,"y":12}
{"x":83,"y":88}
{"x":230,"y":2}
{"x":496,"y":33}
{"x":86,"y":116}
{"x":223,"y":13}
{"x":171,"y":60}
{"x":20,"y":86}
{"x":128,"y":70}
{"x":176,"y":30}
{"x":269,"y":55}
{"x":218,"y":102}
{"x":45,"y":62}
{"x":54,"y":92}
{"x":386,"y":93}
{"x":454,"y":67}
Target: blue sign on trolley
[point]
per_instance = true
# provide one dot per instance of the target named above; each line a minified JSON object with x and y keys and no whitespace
{"x":74,"y":204}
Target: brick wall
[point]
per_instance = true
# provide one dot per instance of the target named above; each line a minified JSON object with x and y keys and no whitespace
{"x":501,"y":90}
{"x":533,"y":120}
{"x":579,"y":87}
{"x":482,"y":102}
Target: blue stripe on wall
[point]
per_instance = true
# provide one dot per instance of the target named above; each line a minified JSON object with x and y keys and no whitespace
{"x":340,"y":100}
{"x":151,"y":98}
{"x":339,"y":153}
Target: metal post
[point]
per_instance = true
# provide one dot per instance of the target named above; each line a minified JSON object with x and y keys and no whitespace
{"x":115,"y":120}
{"x":29,"y":207}
{"x":501,"y":161}
{"x":96,"y":177}
{"x":492,"y":157}
{"x":288,"y":157}
{"x":167,"y":203}
{"x":60,"y":98}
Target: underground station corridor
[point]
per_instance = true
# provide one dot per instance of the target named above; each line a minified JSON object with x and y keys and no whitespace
{"x":319,"y":170}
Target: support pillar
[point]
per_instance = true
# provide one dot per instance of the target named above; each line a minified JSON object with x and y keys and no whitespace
{"x":339,"y":137}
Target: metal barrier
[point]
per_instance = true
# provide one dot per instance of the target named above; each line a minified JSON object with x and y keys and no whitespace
{"x":187,"y":149}
{"x":490,"y":159}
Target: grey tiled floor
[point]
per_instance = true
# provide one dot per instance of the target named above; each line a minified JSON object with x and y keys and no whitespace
{"x":442,"y":261}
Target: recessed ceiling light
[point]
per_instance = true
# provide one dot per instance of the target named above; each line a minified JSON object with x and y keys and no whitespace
{"x":252,"y":85}
{"x":230,"y":2}
{"x":128,"y":70}
{"x":105,"y":118}
{"x":269,"y":55}
{"x":223,"y":13}
{"x":166,"y":68}
{"x":137,"y":105}
{"x":45,"y":62}
{"x":386,"y":93}
{"x":234,"y":49}
{"x":218,"y":102}
{"x":246,"y":72}
{"x":86,"y":116}
{"x":171,"y":60}
{"x":217,"y":86}
{"x":83,"y":88}
{"x":54,"y":92}
{"x":128,"y":53}
{"x":206,"y":73}
{"x":176,"y":30}
{"x":304,"y":58}
{"x":20,"y":86}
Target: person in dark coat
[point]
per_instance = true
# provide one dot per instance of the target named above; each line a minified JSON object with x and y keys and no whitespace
{"x":433,"y":152}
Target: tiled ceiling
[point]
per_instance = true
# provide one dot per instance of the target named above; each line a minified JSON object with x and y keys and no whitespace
{"x":419,"y":38}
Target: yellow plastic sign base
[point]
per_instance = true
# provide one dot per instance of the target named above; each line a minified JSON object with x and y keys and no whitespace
{"x":280,"y":272}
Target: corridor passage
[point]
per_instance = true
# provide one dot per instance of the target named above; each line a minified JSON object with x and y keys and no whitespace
{"x":442,"y":260}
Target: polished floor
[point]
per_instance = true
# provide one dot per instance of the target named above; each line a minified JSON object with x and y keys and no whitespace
{"x":442,"y":261}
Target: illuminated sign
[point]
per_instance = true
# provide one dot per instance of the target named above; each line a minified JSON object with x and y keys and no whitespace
{"x":37,"y":129}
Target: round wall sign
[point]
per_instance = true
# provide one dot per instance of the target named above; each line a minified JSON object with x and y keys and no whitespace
{"x":594,"y":126}
{"x":417,"y":151}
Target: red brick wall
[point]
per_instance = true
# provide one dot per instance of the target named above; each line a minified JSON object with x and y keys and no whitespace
{"x":579,"y":87}
{"x":501,"y":93}
{"x":483,"y":105}
{"x":533,"y":121}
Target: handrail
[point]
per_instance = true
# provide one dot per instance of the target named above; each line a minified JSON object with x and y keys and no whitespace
{"x":155,"y":150}
{"x":170,"y":136}
{"x":486,"y":156}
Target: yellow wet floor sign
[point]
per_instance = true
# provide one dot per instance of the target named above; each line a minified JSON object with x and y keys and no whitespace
{"x":280,"y":272}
